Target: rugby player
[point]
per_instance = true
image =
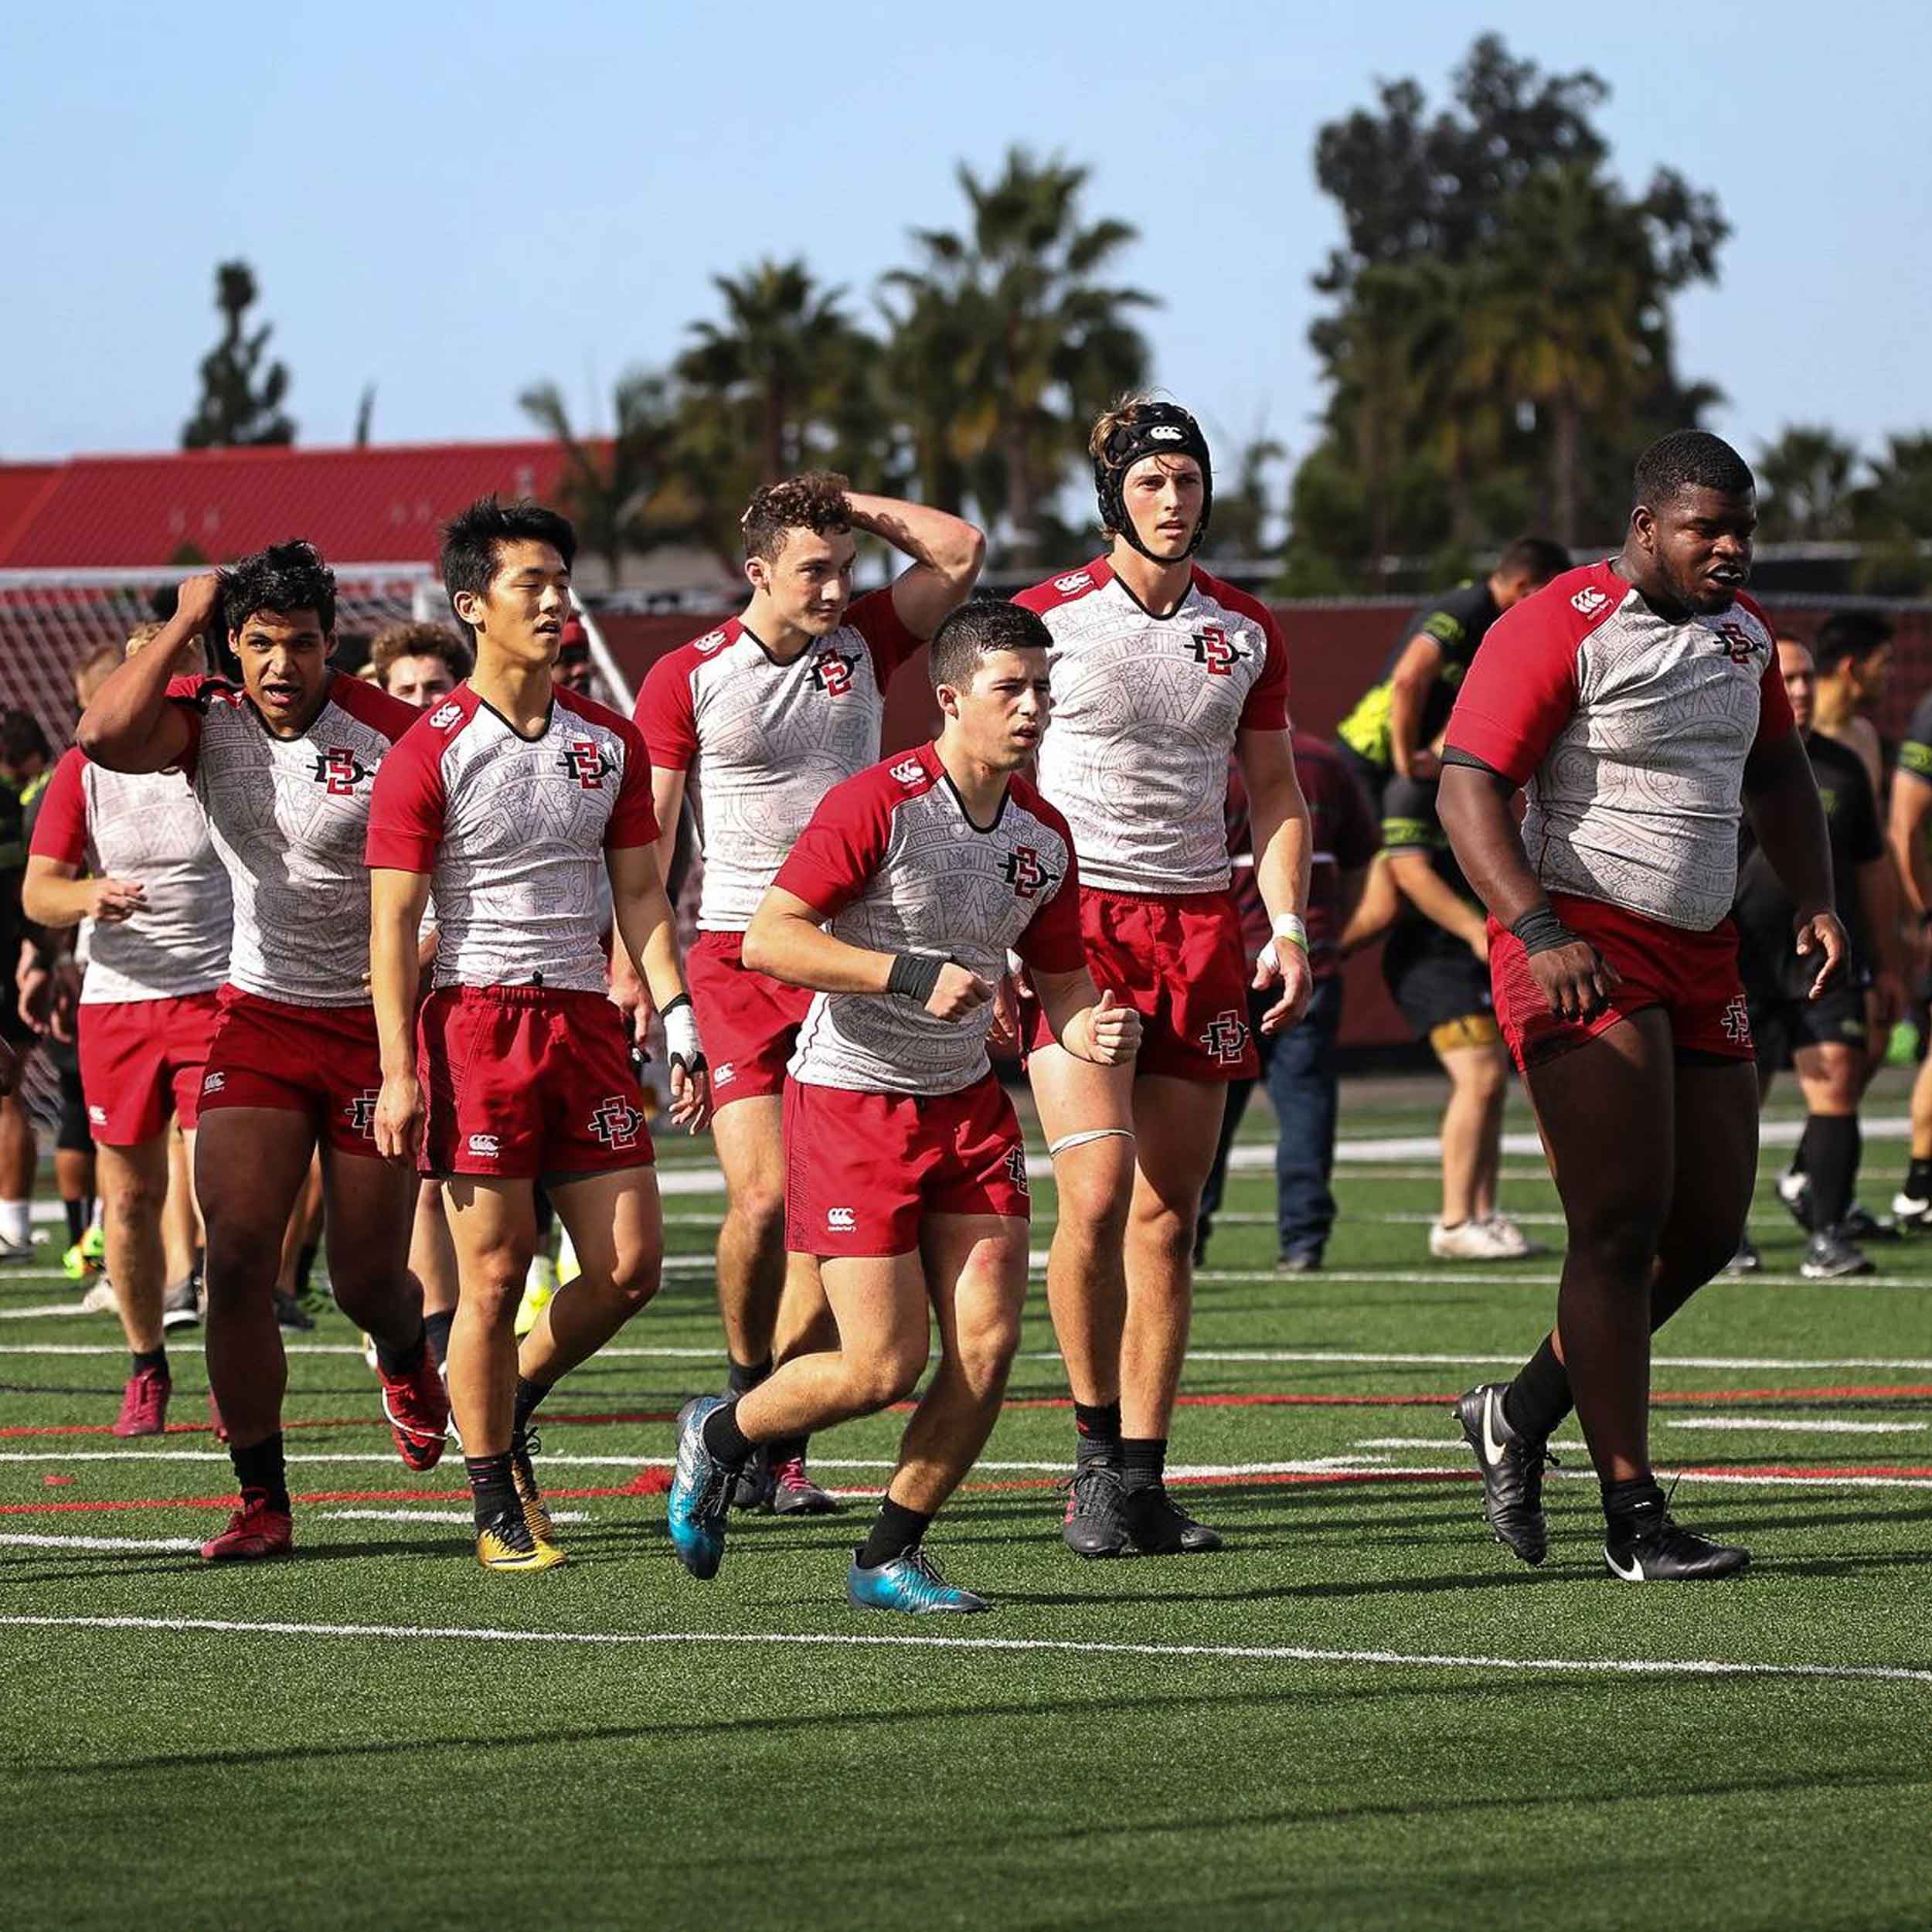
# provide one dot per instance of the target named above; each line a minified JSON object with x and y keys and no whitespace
{"x":1159,"y":671}
{"x":1638,"y":703}
{"x":1827,"y":1038}
{"x":27,"y":761}
{"x":130,"y":853}
{"x":510,"y":797}
{"x":1909,"y":829}
{"x":283,"y":765}
{"x":760,"y":718}
{"x":906,"y":1173}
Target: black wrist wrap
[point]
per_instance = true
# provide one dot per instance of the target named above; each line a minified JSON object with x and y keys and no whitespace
{"x":914,"y":975}
{"x":1540,"y":930}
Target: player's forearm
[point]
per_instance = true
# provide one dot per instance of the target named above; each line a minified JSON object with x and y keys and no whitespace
{"x":1878,"y":893}
{"x":803,"y":954}
{"x":1781,"y":796}
{"x":948,"y":545}
{"x":1426,"y":891}
{"x":1911,"y":807}
{"x":648,"y":930}
{"x":125,"y":726}
{"x":1405,"y":722}
{"x":1474,"y":806}
{"x":1283,"y":844}
{"x":49,"y":899}
{"x":394,"y":974}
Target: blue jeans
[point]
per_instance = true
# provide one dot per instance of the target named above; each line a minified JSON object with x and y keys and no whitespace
{"x":1299,"y":1066}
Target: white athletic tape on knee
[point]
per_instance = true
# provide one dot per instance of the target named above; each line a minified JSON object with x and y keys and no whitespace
{"x":1054,"y":1148}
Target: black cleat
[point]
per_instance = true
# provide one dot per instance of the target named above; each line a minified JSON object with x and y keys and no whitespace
{"x":753,"y":1490}
{"x":1156,"y":1525}
{"x":1861,"y":1224}
{"x":1512,"y":1472}
{"x":1096,"y":1521}
{"x":1829,"y":1256}
{"x":1746,"y":1260}
{"x":290,"y":1314}
{"x":1650,"y":1548}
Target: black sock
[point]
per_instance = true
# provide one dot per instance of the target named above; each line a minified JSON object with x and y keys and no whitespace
{"x":1640,"y":1497}
{"x":306,"y":1265}
{"x":152,"y":1358}
{"x":258,"y":1467}
{"x":741,"y":1378}
{"x":1539,"y":1398}
{"x":436,"y":1333}
{"x":725,"y":1439}
{"x":78,"y":1214}
{"x":1918,"y":1179}
{"x":1800,"y":1161}
{"x":895,"y":1530}
{"x":492,"y":1485}
{"x":783,"y":1449}
{"x":1143,"y":1461}
{"x":396,"y":1363}
{"x":1834,"y":1144}
{"x":1099,"y":1424}
{"x":529,"y":1394}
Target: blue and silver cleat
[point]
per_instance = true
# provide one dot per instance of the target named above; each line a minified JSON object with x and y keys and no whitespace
{"x":700,"y":1492}
{"x":912,"y":1584}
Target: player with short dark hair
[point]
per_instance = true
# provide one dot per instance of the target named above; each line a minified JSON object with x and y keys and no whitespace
{"x":1160,"y":671}
{"x":510,"y":797}
{"x":418,"y":663}
{"x":757,"y":719}
{"x":1852,"y":654}
{"x":1638,"y":705}
{"x":906,"y":1175}
{"x":283,"y":765}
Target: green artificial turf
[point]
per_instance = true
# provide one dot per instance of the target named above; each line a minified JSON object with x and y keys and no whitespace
{"x":168,"y":1774}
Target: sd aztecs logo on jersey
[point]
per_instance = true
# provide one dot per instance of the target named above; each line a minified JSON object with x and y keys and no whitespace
{"x":583,"y":759}
{"x":1025,"y":872}
{"x":338,"y":772}
{"x":831,"y":672}
{"x":1739,"y":646}
{"x":1215,"y":651}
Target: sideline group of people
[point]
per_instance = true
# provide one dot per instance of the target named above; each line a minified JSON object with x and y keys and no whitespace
{"x":416,"y":986}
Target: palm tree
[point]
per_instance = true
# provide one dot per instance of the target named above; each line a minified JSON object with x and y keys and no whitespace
{"x":1806,"y":478}
{"x":1004,"y":344}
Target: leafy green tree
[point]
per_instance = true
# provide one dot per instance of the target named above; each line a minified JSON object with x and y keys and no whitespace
{"x":241,"y":391}
{"x":1005,"y":343}
{"x":1804,"y":485}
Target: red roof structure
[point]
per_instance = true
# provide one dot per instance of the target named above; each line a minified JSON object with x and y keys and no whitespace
{"x":367,"y":505}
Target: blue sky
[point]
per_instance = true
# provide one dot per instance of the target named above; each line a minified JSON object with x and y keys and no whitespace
{"x":452,"y":203}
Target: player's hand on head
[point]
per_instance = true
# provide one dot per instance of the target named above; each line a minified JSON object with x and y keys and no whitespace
{"x":198,"y":602}
{"x":1576,"y":979}
{"x":1821,"y":940}
{"x":112,"y":900}
{"x":399,"y":1117}
{"x":958,"y":992}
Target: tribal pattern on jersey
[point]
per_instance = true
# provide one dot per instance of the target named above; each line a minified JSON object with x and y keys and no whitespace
{"x":513,"y":832}
{"x":892,"y":859}
{"x":1146,"y":710}
{"x":1628,"y":732}
{"x":289,"y":817}
{"x":764,"y":742}
{"x":148,"y":827}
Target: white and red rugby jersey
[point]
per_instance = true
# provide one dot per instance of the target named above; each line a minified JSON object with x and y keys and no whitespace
{"x":764,"y":742}
{"x":1146,"y":710}
{"x":1628,"y":732}
{"x":288,"y":817}
{"x":895,"y":865}
{"x":149,"y":827}
{"x":512,"y":831}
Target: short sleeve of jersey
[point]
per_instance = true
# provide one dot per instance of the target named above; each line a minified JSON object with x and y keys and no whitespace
{"x":406,"y":805}
{"x":665,"y":716}
{"x":1052,"y":941}
{"x":634,"y":820}
{"x":875,"y":617}
{"x":60,"y":827}
{"x":1409,"y":819}
{"x":1442,"y":625}
{"x":1774,"y":718}
{"x":842,"y":847}
{"x":1266,"y":708}
{"x":1915,"y":753}
{"x":1521,"y":691}
{"x":185,"y":694}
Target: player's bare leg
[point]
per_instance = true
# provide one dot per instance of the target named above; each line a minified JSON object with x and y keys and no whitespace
{"x":1177,"y":1125}
{"x":1472,"y":1132}
{"x":180,"y":1228}
{"x":433,"y":1262}
{"x":300,"y":1241}
{"x":17,"y":1156}
{"x":617,"y":1226}
{"x":1912,"y":1206}
{"x":493,"y":1228}
{"x":133,"y":1186}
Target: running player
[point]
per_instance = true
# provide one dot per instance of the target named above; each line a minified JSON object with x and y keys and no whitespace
{"x":130,"y":853}
{"x":1159,"y":671}
{"x":283,"y":765}
{"x":1638,"y":703}
{"x":1824,"y":1039}
{"x":1909,"y":828}
{"x":760,"y":718}
{"x":907,"y":1175}
{"x":511,"y":796}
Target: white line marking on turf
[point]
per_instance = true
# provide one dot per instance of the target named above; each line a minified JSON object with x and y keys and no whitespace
{"x":1734,"y":1478}
{"x":1454,"y":1271}
{"x":1252,"y":1653}
{"x":1779,"y":1425}
{"x":429,"y":1515}
{"x":149,"y":1543}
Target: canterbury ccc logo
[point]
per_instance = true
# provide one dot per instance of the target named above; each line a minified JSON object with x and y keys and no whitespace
{"x":583,"y":758}
{"x":445,"y":715}
{"x":616,"y":1122}
{"x":831,"y":672}
{"x":1073,"y":581}
{"x":909,"y":771}
{"x":1211,"y":647}
{"x":338,"y":772}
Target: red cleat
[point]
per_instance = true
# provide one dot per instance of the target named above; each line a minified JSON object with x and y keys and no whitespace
{"x":254,"y":1531}
{"x":143,"y":1403}
{"x":417,"y":1406}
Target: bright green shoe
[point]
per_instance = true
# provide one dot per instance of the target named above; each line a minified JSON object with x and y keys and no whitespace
{"x":76,"y":1264}
{"x":93,"y":1246}
{"x":539,"y":1288}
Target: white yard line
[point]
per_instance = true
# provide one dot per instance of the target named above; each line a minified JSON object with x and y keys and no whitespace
{"x":433,"y":1515}
{"x":1790,"y":1426}
{"x":22,"y":1540}
{"x":1247,"y":1653}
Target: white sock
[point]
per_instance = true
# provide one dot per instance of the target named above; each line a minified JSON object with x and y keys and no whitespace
{"x":15,"y":1226}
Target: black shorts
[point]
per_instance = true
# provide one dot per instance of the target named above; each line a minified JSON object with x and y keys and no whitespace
{"x":75,"y":1135}
{"x":1781,"y":1026}
{"x":1433,"y":988}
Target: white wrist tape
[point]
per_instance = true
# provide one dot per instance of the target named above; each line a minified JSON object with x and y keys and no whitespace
{"x":681,"y":1041}
{"x":1290,"y":929}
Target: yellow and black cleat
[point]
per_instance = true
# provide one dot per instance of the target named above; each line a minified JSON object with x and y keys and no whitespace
{"x":506,"y":1542}
{"x":528,"y":1493}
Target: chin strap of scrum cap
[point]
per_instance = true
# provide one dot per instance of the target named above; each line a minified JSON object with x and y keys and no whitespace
{"x":1159,"y":429}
